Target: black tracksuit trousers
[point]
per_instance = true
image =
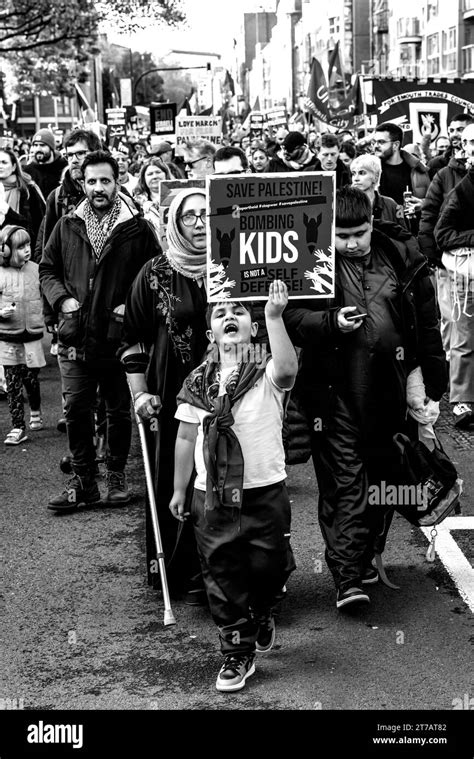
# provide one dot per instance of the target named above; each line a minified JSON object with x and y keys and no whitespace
{"x":246,"y":559}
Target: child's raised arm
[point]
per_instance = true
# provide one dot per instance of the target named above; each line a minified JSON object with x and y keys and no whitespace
{"x":285,"y":363}
{"x":183,"y":467}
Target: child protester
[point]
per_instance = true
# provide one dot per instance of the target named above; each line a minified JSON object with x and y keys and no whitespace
{"x":21,"y":330}
{"x":230,"y":410}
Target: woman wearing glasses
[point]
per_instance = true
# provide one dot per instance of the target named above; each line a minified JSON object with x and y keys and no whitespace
{"x":147,"y":191}
{"x":164,"y":339}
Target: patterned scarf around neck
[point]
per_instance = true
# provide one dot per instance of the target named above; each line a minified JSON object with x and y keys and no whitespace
{"x":12,"y":192}
{"x":184,"y":257}
{"x":99,"y":230}
{"x":221,"y":448}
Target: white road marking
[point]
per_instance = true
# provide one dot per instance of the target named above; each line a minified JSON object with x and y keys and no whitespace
{"x":452,"y":557}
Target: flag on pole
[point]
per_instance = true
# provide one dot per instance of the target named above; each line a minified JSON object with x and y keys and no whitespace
{"x":87,"y":113}
{"x":317,"y":97}
{"x":229,"y":83}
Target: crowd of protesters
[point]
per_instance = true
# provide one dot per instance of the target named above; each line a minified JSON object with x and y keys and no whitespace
{"x":80,"y":232}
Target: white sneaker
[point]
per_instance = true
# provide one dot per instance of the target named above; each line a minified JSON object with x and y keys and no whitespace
{"x":36,"y":422}
{"x":463,"y":415}
{"x":15,"y":436}
{"x":54,"y":349}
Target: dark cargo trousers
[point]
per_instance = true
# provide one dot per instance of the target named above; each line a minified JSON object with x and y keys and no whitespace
{"x":352,"y":528}
{"x":246,"y":559}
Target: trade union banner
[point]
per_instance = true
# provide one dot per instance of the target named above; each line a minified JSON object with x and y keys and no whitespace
{"x":263,"y":227}
{"x":420,"y":107}
{"x":168,"y":190}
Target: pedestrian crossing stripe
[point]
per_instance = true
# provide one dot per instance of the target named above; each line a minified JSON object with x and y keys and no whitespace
{"x":455,"y":562}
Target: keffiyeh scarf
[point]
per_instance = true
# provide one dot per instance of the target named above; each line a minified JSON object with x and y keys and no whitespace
{"x":99,"y":230}
{"x":221,"y":448}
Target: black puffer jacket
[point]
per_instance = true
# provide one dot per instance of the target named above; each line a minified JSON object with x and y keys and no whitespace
{"x":455,"y":227}
{"x":443,"y":182}
{"x":69,"y":268}
{"x":312,"y":325}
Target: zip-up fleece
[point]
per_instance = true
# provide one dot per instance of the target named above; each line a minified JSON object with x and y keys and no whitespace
{"x":21,"y":286}
{"x":70,"y":269}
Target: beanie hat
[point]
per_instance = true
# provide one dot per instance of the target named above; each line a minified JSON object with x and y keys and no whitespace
{"x":293,"y":140}
{"x":46,"y":136}
{"x":162,"y":147}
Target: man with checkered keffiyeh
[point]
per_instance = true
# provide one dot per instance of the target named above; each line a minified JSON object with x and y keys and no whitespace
{"x":89,"y":263}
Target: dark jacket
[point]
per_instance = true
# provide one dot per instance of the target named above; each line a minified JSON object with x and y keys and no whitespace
{"x":59,"y":202}
{"x":46,"y":175}
{"x":278,"y":163}
{"x":69,"y":268}
{"x":30,"y":213}
{"x":343,"y":174}
{"x":312,"y":325}
{"x":444,"y":181}
{"x":455,"y":227}
{"x":440,"y":162}
{"x":420,"y":179}
{"x":386,"y":209}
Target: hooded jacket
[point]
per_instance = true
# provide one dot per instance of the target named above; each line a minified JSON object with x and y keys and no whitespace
{"x":21,"y":286}
{"x":312,"y":325}
{"x":69,"y":268}
{"x":444,"y":181}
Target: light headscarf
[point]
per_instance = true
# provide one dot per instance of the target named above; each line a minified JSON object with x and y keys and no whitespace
{"x":182,"y":255}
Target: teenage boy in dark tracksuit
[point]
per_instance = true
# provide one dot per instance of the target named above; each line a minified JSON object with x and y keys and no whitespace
{"x":357,"y":351}
{"x":231,"y":413}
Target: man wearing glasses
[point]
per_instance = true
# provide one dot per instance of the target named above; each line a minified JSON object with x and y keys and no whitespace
{"x":198,"y":157}
{"x":455,"y":129}
{"x":401,"y":171}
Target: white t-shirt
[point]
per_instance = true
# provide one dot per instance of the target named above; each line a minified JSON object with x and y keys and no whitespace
{"x":258,"y":418}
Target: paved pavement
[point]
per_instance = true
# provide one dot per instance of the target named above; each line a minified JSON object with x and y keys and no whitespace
{"x":84,"y":631}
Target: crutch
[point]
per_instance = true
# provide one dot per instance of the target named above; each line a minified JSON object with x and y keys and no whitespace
{"x":168,"y":618}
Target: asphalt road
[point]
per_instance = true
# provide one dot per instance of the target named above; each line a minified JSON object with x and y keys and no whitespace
{"x":82,"y":630}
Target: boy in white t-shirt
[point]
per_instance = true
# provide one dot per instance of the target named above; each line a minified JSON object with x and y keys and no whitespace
{"x":231,"y":412}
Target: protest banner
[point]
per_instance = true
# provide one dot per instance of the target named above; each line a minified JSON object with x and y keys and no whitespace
{"x":419,"y":107}
{"x":270,"y":226}
{"x":196,"y":128}
{"x":163,"y":122}
{"x":169,"y":188}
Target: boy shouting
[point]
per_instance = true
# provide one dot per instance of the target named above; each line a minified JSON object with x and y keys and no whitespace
{"x":231,"y":411}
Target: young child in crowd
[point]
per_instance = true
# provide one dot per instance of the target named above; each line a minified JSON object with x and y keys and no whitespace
{"x":21,"y":330}
{"x":231,"y":411}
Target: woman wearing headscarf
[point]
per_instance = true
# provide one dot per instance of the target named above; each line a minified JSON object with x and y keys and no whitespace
{"x":164,"y":338}
{"x":147,"y":191}
{"x":21,"y":200}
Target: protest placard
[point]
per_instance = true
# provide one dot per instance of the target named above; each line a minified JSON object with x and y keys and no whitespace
{"x":256,"y":124}
{"x":168,"y":190}
{"x":196,"y":128}
{"x":163,"y":122}
{"x":263,"y":227}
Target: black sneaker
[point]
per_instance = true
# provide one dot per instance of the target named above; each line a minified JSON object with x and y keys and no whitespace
{"x":351,"y":596}
{"x":117,"y":488}
{"x":61,"y":425}
{"x":196,"y":592}
{"x":266,"y":633}
{"x":234,"y":672}
{"x":370,"y":575}
{"x":79,"y":491}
